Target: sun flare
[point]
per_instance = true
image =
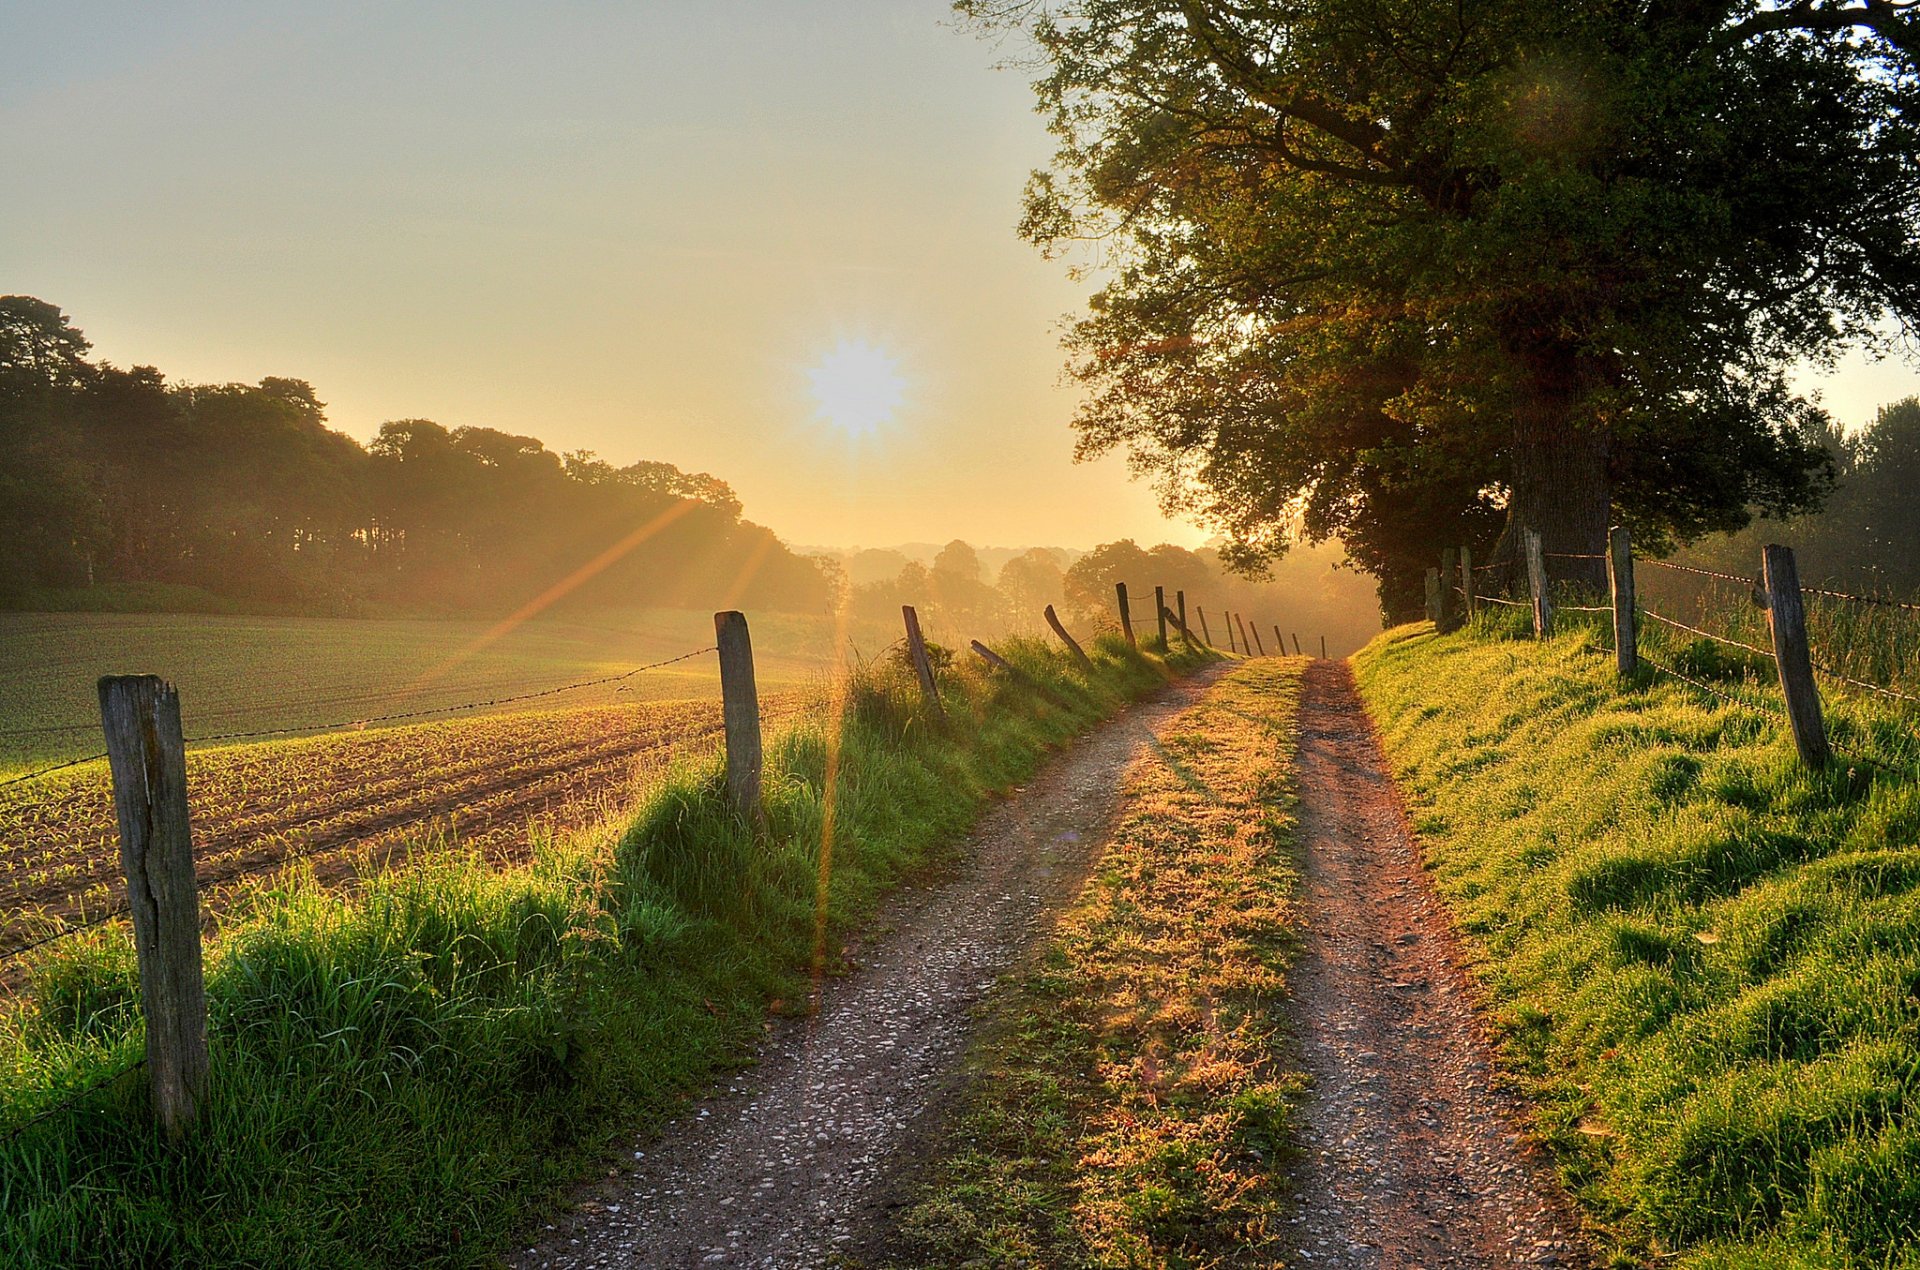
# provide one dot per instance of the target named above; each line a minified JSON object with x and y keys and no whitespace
{"x":857,"y":387}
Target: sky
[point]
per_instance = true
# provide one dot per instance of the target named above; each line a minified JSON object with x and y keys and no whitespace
{"x":642,"y":229}
{"x":769,"y":239}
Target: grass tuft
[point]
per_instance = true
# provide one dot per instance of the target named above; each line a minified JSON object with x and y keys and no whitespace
{"x":408,"y":1076}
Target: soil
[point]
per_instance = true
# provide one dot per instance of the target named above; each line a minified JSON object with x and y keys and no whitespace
{"x":797,"y":1158}
{"x":1413,"y":1153}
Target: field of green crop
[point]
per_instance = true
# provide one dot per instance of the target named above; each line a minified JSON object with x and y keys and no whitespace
{"x":247,"y":674}
{"x":406,"y":1073}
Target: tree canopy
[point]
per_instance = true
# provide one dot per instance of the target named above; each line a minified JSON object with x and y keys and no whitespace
{"x":1413,"y":273}
{"x":242,"y":490}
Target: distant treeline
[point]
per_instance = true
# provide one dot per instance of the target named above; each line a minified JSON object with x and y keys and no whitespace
{"x":1865,"y":536}
{"x":1308,"y":592}
{"x":116,"y":476}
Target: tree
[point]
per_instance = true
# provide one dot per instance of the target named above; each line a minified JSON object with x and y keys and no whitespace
{"x":1416,"y":273}
{"x":1031,"y":581}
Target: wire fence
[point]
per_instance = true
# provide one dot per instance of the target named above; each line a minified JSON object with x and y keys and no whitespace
{"x":70,"y":1101}
{"x":581,"y":755}
{"x":359,"y":721}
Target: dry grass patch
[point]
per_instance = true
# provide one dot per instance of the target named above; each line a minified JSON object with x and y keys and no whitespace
{"x":1129,"y":1102}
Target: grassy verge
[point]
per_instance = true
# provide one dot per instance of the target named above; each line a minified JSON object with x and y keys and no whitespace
{"x":1126,"y":1105}
{"x":406,"y":1078}
{"x":1706,"y":959}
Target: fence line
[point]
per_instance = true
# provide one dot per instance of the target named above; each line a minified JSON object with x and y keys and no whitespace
{"x":391,"y":717}
{"x":1874,"y":600}
{"x":1705,"y":573}
{"x":1694,"y":630}
{"x":1711,"y":691}
{"x":69,"y":1102}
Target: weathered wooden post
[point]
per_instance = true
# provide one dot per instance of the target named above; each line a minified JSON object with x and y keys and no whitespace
{"x":1431,"y":580}
{"x":1160,"y":612}
{"x":1323,"y":648}
{"x":1626,"y":640}
{"x":1296,"y":645}
{"x":740,"y":712}
{"x":1258,"y":643}
{"x":1180,"y":611}
{"x":1079,"y":653}
{"x":1537,"y":581}
{"x":1448,"y":613}
{"x":1279,"y":641}
{"x":1226,"y":617}
{"x":1468,"y":593}
{"x":922,"y":665}
{"x":1126,"y":613}
{"x":1787,"y":619}
{"x":148,"y":757}
{"x":1204,"y":632}
{"x":1246,"y":645}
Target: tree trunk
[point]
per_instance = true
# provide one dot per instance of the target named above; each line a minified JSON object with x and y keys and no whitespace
{"x":1561,"y":486}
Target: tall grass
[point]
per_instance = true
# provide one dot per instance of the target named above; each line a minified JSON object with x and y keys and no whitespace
{"x":1704,"y":957}
{"x":409,"y":1077}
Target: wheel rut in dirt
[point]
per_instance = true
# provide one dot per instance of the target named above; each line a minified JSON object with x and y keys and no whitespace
{"x":796,"y":1158}
{"x":1413,"y":1155}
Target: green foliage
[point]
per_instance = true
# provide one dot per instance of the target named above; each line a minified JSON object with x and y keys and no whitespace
{"x":1705,"y":958}
{"x":408,"y":1075}
{"x":1406,"y":272}
{"x":117,"y":477}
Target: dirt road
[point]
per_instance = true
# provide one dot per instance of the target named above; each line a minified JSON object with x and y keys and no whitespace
{"x":1413,"y":1158}
{"x":795,"y":1157}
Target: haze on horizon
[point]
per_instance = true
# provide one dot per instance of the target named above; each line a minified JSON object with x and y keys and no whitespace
{"x":770,"y":241}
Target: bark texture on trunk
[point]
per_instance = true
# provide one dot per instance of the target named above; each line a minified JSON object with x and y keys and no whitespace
{"x":1561,"y":486}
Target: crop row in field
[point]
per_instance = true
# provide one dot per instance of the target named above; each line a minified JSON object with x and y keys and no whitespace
{"x":345,"y":800}
{"x":248,"y":674}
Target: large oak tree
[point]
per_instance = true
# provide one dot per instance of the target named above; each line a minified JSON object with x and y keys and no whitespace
{"x":1415,"y":272}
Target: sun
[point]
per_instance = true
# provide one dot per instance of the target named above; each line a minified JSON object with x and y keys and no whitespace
{"x":857,"y":387}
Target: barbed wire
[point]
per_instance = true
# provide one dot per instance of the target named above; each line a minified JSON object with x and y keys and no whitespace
{"x":1705,"y":573}
{"x":1709,"y":690}
{"x":1695,"y":630}
{"x":1575,"y":555}
{"x":1874,"y":600}
{"x":390,"y":717}
{"x":49,"y":770}
{"x":70,"y":1101}
{"x":397,"y":716}
{"x":1844,"y":678}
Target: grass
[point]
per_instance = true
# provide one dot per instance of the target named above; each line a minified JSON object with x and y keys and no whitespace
{"x":410,"y":1076}
{"x":1127,"y":1105}
{"x":1705,"y":958}
{"x":249,"y":673}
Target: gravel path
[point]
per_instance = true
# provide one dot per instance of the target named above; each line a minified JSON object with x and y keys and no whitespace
{"x":1412,"y":1155}
{"x":795,"y":1159}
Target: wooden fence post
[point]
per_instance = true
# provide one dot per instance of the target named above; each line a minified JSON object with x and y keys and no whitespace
{"x":1323,"y":648}
{"x":1537,"y":581}
{"x":147,"y":755}
{"x":1787,"y":619}
{"x":1246,"y":645}
{"x":1432,"y":583}
{"x":1296,"y":645}
{"x":1204,"y":632}
{"x":1126,"y":613}
{"x":1626,"y":640}
{"x":1449,"y":613}
{"x":1468,"y":592}
{"x":1180,"y":611}
{"x":922,"y":666}
{"x":1160,"y":612}
{"x":740,"y":711}
{"x":1080,"y":654}
{"x":1226,"y":617}
{"x":1279,"y":641}
{"x":1258,"y":643}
